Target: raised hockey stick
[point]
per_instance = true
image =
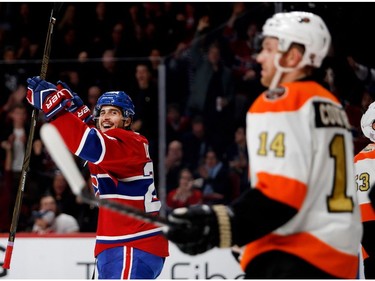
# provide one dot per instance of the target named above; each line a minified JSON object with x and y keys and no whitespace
{"x":63,"y":158}
{"x":26,"y":161}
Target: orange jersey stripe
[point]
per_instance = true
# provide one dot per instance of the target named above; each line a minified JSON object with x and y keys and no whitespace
{"x":367,"y":212}
{"x":286,"y":190}
{"x":285,"y":103}
{"x":367,"y":153}
{"x":317,"y":253}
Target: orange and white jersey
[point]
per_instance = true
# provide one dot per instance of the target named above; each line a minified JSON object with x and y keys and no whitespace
{"x":365,"y":178}
{"x":301,"y":154}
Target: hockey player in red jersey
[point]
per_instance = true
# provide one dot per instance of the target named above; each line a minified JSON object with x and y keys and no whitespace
{"x":301,"y":217}
{"x":365,"y":179}
{"x":121,"y":170}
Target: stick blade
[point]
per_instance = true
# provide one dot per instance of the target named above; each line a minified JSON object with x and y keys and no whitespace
{"x":62,"y":157}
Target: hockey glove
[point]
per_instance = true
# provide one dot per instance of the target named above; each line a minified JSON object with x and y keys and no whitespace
{"x":198,"y":229}
{"x":76,"y":106}
{"x":44,"y":96}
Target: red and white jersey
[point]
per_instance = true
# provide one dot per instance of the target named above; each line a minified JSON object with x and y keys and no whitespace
{"x":121,"y":170}
{"x":365,"y":178}
{"x":301,"y":154}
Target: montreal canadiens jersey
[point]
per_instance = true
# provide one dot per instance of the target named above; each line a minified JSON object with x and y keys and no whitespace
{"x":122,"y":171}
{"x":365,"y":178}
{"x":301,"y":154}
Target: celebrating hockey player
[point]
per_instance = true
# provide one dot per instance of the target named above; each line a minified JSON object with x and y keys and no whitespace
{"x":301,"y":217}
{"x":121,"y":170}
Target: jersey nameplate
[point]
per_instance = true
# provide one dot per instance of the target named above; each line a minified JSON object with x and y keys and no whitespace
{"x":330,"y":115}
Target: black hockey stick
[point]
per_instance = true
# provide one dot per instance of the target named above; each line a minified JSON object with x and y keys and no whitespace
{"x":64,"y":160}
{"x":26,"y":161}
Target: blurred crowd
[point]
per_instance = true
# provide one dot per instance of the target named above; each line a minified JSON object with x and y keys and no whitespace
{"x":212,"y":77}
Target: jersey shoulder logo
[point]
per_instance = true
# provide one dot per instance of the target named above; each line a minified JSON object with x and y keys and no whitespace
{"x":369,"y":148}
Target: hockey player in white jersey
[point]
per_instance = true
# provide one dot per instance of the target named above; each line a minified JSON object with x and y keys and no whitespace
{"x":365,"y":180}
{"x":300,"y":218}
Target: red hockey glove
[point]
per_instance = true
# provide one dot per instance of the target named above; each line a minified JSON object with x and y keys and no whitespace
{"x":44,"y":96}
{"x":76,"y":105}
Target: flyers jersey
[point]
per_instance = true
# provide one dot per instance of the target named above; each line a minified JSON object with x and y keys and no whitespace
{"x":122,"y":171}
{"x":365,"y":178}
{"x":301,"y":154}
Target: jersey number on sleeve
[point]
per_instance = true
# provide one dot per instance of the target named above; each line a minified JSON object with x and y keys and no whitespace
{"x":364,"y":178}
{"x":277,"y":144}
{"x":151,"y":205}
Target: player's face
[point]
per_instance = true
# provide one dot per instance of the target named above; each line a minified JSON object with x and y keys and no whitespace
{"x":110,"y":117}
{"x":266,"y":59}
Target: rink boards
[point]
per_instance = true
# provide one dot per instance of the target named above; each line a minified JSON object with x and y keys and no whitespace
{"x":71,"y":257}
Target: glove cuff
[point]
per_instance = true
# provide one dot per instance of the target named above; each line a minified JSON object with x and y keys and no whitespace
{"x":224,"y":225}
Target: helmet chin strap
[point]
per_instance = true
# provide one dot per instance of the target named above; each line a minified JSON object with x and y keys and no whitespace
{"x":280,"y":70}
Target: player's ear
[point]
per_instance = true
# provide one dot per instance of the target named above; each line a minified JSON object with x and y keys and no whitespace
{"x":127,"y":122}
{"x":293,"y":56}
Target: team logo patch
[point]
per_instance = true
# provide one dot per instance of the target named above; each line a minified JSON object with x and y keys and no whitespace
{"x":369,"y":148}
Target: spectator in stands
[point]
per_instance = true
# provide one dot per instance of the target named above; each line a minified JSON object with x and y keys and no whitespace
{"x":236,"y":22}
{"x":216,"y":186}
{"x":25,"y":23}
{"x":185,"y":194}
{"x":70,"y":49}
{"x":195,"y":143}
{"x":238,"y":160}
{"x":16,"y":97}
{"x":145,"y":98}
{"x":212,"y":89}
{"x":69,"y":18}
{"x":14,"y":138}
{"x":65,"y":198}
{"x":186,"y":22}
{"x":151,"y":37}
{"x":178,"y":74}
{"x":155,"y":58}
{"x":135,"y":22}
{"x":12,"y":74}
{"x":93,"y":94}
{"x":98,"y":30}
{"x":174,"y":163}
{"x":246,"y":70}
{"x":49,"y":218}
{"x":15,"y":132}
{"x":109,"y":76}
{"x":117,"y":43}
{"x":177,"y":123}
{"x":27,"y":49}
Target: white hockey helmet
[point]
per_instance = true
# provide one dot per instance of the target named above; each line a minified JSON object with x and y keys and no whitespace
{"x":368,"y":118}
{"x":303,"y":28}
